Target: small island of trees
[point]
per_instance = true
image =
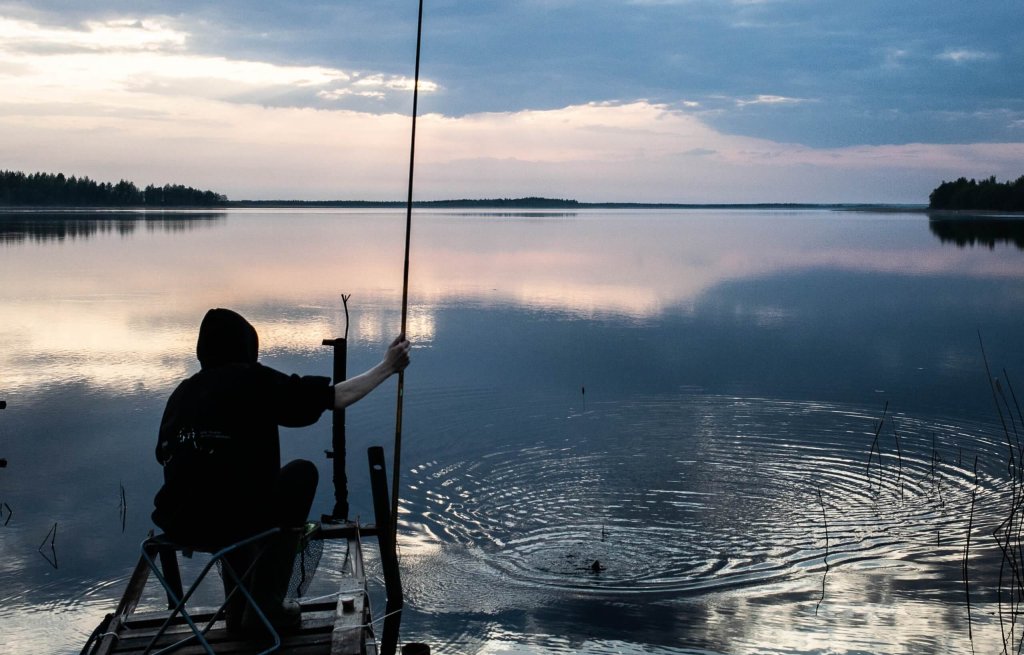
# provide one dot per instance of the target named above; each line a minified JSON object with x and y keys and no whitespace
{"x":19,"y":189}
{"x":985,"y":195}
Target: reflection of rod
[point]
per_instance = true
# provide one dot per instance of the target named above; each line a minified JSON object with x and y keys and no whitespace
{"x":337,"y":453}
{"x":405,"y":279}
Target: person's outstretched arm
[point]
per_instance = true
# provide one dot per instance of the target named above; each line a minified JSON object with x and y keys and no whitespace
{"x":395,"y":359}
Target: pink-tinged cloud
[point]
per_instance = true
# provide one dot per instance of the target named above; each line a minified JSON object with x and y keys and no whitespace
{"x":128,"y":100}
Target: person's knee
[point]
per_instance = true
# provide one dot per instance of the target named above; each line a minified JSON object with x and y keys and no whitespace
{"x":299,"y":477}
{"x":302,"y":470}
{"x":295,"y":491}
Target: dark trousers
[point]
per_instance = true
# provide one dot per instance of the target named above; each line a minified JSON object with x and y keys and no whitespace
{"x":213,"y":518}
{"x":293,"y":492}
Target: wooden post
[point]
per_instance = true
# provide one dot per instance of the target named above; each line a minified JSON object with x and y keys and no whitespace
{"x":337,"y":452}
{"x":3,"y":462}
{"x":388,"y":557}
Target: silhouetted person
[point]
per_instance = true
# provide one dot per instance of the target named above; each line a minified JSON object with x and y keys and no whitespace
{"x":220,"y":451}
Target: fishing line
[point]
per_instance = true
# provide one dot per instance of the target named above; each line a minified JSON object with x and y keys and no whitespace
{"x":405,"y":281}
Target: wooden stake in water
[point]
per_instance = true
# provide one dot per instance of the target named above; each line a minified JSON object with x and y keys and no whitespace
{"x":396,"y":474}
{"x":3,"y":462}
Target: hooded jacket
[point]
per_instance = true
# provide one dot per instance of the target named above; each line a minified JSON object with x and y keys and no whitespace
{"x":219,"y":441}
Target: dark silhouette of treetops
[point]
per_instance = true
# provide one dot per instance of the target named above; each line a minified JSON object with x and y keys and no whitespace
{"x":56,"y":190}
{"x":987,"y":194}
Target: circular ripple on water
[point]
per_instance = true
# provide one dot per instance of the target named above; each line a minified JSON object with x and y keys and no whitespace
{"x":698,"y":492}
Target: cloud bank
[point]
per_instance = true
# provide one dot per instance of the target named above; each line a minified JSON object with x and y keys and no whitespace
{"x":128,"y":99}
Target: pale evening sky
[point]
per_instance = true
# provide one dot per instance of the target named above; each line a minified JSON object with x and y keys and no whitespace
{"x":598,"y":100}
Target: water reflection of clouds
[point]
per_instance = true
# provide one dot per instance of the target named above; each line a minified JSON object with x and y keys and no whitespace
{"x":115,"y":313}
{"x":91,"y":342}
{"x":305,"y":334}
{"x":123,"y":312}
{"x":889,"y":584}
{"x":604,"y":264}
{"x":863,"y":611}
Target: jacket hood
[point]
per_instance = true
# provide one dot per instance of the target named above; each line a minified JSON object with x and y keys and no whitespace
{"x":226,"y":338}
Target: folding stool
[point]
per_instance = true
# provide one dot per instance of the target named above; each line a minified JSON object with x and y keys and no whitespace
{"x":168,"y":573}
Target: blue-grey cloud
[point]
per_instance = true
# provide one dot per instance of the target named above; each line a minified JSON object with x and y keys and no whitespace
{"x":740,"y":82}
{"x":880,"y":72}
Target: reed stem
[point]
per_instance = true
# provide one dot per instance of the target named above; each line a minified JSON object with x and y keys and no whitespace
{"x":874,"y":445}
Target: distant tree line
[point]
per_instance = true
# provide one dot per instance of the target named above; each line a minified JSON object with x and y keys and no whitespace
{"x":518,"y":203}
{"x":972,"y":194}
{"x":49,"y":190}
{"x":533,"y":202}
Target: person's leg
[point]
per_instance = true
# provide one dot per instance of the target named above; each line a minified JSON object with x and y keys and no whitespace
{"x":293,"y":494}
{"x":239,"y":561}
{"x":294,"y":491}
{"x":201,"y":532}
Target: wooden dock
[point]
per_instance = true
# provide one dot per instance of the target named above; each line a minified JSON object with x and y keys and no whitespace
{"x":341,"y":627}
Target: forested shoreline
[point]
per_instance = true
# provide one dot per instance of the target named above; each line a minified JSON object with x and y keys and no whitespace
{"x":19,"y":189}
{"x":987,"y":194}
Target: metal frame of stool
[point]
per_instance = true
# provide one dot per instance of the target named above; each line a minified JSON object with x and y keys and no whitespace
{"x":162,"y":546}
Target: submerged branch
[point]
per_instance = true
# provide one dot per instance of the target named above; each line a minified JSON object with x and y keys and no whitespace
{"x":824,"y":519}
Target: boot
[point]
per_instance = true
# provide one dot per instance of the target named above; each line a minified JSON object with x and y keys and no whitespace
{"x":271,"y":575}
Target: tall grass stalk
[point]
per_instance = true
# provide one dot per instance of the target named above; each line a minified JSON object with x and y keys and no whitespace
{"x":967,"y":555}
{"x":875,"y":447}
{"x":1009,"y":534}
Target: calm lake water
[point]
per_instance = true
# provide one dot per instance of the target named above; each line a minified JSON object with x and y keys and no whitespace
{"x":690,"y":397}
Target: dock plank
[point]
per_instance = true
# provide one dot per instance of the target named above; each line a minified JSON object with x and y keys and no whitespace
{"x":313,"y":636}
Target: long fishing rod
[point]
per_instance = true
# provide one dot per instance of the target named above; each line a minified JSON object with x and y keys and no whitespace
{"x":405,"y":281}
